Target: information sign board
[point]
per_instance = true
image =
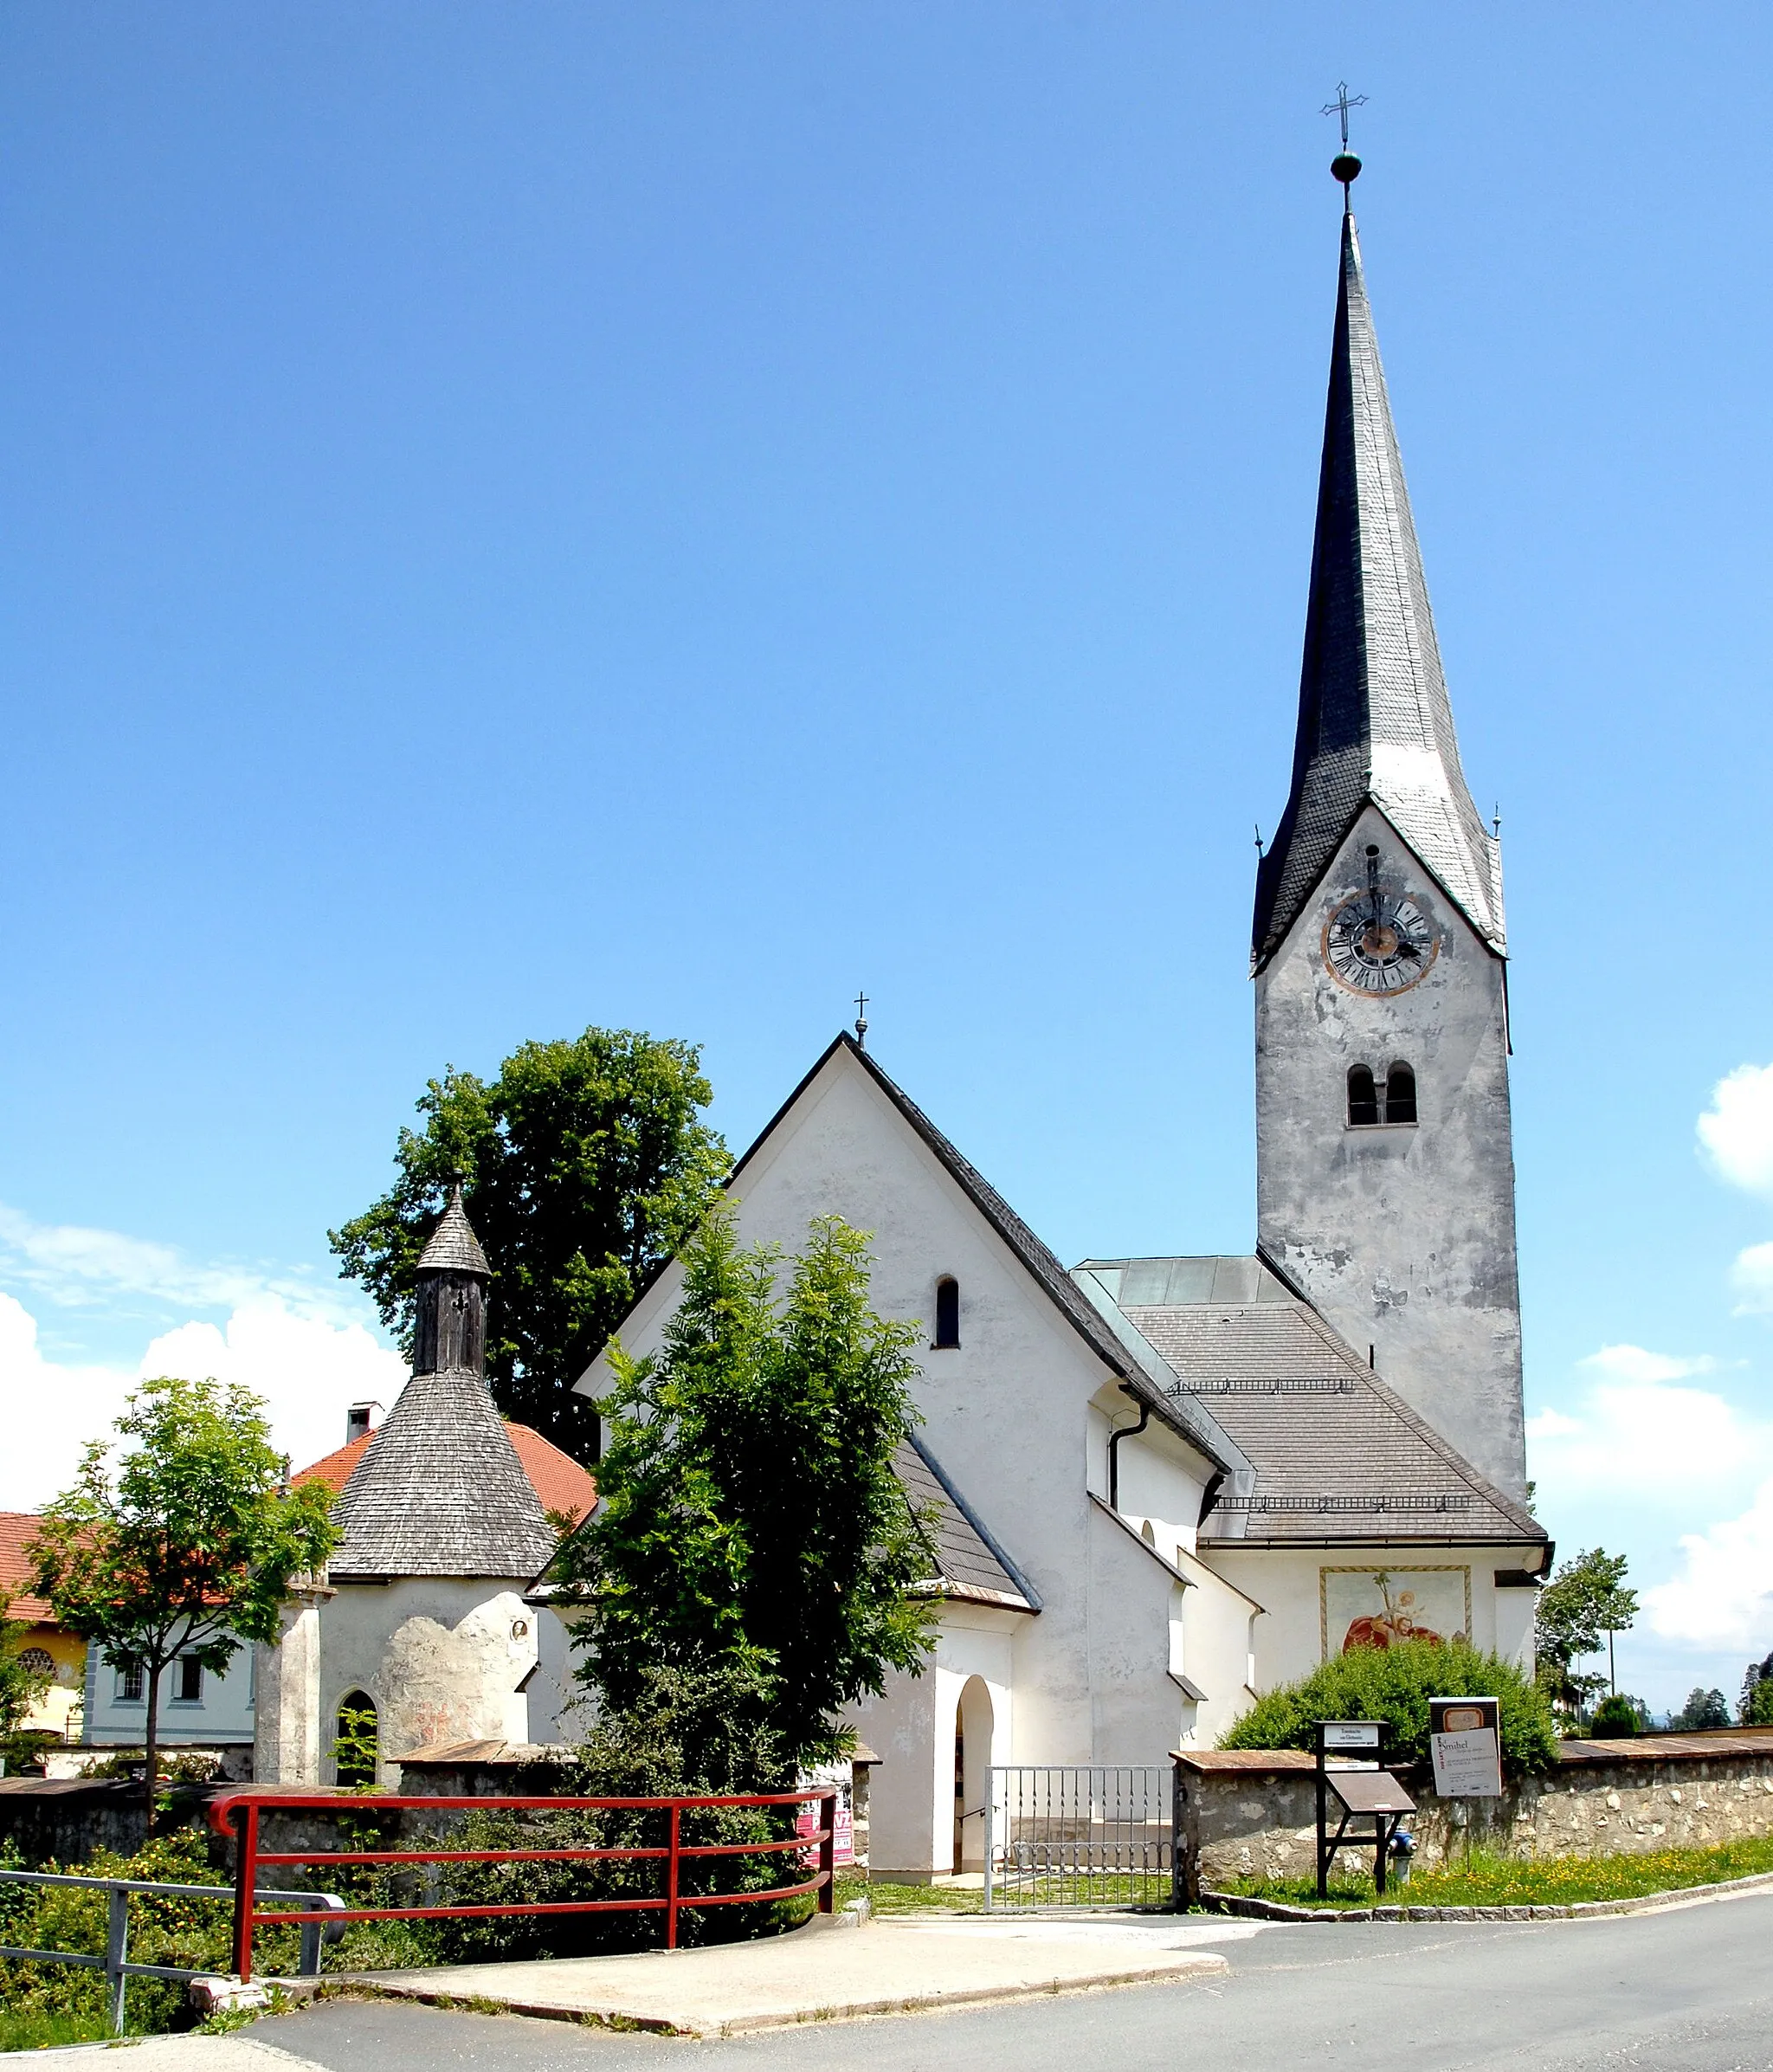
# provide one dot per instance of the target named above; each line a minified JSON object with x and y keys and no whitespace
{"x":1351,"y":1735}
{"x":1465,"y":1739}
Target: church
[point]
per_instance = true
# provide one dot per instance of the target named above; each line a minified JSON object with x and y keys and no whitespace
{"x":1154,"y":1488}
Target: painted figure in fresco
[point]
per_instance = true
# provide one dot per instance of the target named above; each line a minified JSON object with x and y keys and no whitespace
{"x":1397,"y":1622}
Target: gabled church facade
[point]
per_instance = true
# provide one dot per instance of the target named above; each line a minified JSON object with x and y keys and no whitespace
{"x":1159,"y":1487}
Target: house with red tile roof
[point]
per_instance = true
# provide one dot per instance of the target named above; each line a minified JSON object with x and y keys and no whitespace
{"x":63,"y":1654}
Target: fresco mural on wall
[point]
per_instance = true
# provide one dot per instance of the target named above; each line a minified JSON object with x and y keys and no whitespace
{"x":1379,"y":1608}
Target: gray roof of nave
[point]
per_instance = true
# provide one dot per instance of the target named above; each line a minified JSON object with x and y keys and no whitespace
{"x":966,"y":1558}
{"x":1375,"y":721}
{"x":441,"y":1491}
{"x":1338,"y":1454}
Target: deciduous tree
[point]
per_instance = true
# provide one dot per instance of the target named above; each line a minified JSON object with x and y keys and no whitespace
{"x":186,"y":1543}
{"x":753,"y":1542}
{"x":586,"y":1164}
{"x":1583,"y":1604}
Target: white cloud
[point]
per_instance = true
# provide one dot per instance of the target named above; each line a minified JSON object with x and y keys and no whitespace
{"x":1633,"y":1364}
{"x":1637,"y":1436}
{"x":1722,"y":1595}
{"x":308,"y":1371}
{"x":1737,"y":1130}
{"x":77,"y":1267}
{"x":1751,"y":1276}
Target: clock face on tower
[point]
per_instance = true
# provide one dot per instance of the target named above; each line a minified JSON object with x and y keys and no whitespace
{"x":1379,"y":942}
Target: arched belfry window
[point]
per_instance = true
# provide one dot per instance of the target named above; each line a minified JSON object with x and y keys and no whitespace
{"x":1362,"y":1097}
{"x":1400,"y":1094}
{"x":947,"y":1310}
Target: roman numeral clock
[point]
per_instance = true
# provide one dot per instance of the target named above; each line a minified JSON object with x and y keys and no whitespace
{"x":1382,"y":941}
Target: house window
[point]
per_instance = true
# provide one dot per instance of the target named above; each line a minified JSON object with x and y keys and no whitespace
{"x":189,"y":1689}
{"x":37,"y":1661}
{"x":1400,"y":1094}
{"x":947,"y":1310}
{"x":1362,"y":1097}
{"x":130,"y":1684}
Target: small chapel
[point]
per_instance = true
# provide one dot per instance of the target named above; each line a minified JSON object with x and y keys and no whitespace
{"x":431,"y":1629}
{"x":1158,"y":1487}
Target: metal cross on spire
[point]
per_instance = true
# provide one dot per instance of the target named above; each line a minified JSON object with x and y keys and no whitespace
{"x":1344,"y":167}
{"x":1344,"y":101}
{"x":861,"y":1026}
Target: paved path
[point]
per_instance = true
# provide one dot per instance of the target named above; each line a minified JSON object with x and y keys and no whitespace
{"x":1690,"y":1990}
{"x":836,"y":1970}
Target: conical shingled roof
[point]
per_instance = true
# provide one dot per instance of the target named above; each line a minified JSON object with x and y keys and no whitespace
{"x":441,"y":1491}
{"x":1375,"y":722}
{"x":454,"y":1246}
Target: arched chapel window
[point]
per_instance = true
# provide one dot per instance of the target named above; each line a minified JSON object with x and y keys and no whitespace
{"x":947,"y":1310}
{"x":354,"y":1750}
{"x":1362,"y":1097}
{"x":1400,"y":1094}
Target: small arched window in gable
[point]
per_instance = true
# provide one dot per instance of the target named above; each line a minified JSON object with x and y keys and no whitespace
{"x":1400,"y":1094}
{"x":947,"y":1310}
{"x":1362,"y":1097}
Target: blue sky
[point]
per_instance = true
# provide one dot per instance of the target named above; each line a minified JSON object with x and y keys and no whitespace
{"x":520,"y":517}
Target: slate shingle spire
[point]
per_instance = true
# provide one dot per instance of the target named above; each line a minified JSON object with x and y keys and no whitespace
{"x":1373,"y":718}
{"x":441,"y":1491}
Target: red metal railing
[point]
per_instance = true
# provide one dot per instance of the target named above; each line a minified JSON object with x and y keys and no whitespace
{"x":238,"y":1814}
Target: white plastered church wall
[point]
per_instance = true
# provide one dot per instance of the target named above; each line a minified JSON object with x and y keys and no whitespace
{"x":1008,"y":1414}
{"x":1402,"y":1235}
{"x":1290,"y":1641}
{"x":444,"y":1659}
{"x":912,"y":1727}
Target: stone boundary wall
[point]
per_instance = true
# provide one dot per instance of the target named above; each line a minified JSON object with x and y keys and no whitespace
{"x":1247,"y":1812}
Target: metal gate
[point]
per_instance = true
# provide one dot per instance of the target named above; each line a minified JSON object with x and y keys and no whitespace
{"x":1064,"y":1835}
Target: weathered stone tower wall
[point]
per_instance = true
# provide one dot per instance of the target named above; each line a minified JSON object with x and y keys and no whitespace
{"x":1402,"y":1233}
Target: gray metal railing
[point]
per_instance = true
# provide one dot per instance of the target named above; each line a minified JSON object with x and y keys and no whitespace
{"x":115,"y":1961}
{"x":1073,"y":1834}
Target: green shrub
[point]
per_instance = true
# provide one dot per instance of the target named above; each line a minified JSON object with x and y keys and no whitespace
{"x":60,"y":2000}
{"x":1618,"y":1718}
{"x":1394,"y":1685}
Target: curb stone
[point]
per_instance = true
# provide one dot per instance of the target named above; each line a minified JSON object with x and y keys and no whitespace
{"x":1645,"y":1902}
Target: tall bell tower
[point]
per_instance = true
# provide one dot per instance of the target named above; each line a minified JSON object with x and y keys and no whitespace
{"x":1384,"y":1154}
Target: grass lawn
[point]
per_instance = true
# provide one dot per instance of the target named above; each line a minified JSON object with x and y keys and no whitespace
{"x":34,"y":2029}
{"x":1492,"y":1881}
{"x":886,"y":1899}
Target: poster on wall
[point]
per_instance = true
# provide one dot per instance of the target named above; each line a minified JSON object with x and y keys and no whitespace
{"x":1381,"y":1608}
{"x":837,"y":1777}
{"x":1465,"y":1742}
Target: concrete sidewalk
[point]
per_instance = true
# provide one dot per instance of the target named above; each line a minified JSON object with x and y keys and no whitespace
{"x":832,"y":1970}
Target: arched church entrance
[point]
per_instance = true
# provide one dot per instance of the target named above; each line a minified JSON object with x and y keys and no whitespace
{"x":973,"y":1721}
{"x":356,"y":1746}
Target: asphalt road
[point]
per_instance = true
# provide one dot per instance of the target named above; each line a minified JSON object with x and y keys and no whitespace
{"x":1690,"y":1990}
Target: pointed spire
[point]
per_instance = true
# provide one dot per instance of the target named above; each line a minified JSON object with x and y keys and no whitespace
{"x":1375,"y":723}
{"x":454,"y":1246}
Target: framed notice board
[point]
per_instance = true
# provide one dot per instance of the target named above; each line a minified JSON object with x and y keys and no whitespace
{"x":1465,"y":1740}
